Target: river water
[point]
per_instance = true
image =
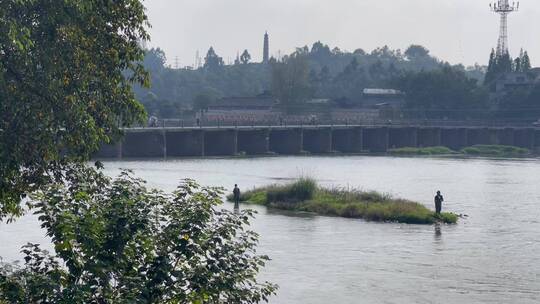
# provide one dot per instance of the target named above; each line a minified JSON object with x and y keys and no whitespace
{"x":491,"y":256}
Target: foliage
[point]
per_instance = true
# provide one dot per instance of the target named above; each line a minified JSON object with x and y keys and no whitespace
{"x":525,"y":62}
{"x":301,"y":190}
{"x":331,"y":73}
{"x":245,"y":58}
{"x":444,"y":93}
{"x":116,"y":241}
{"x":496,"y":150}
{"x":212,"y":61}
{"x":351,"y":203}
{"x":439,"y":150}
{"x":290,"y":82}
{"x":176,"y":89}
{"x":477,"y":150}
{"x":416,"y":51}
{"x":520,"y":103}
{"x":503,"y":63}
{"x":154,"y":59}
{"x":66,"y":69}
{"x":202,"y":102}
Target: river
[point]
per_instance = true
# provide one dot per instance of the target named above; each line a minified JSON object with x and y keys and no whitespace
{"x":491,"y":256}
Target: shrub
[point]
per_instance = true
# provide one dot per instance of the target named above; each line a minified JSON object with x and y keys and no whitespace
{"x":301,"y":190}
{"x":116,"y":241}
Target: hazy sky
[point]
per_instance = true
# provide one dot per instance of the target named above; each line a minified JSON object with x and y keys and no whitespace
{"x":459,"y":31}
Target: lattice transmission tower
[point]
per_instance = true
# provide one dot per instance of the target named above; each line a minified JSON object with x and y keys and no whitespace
{"x":503,"y":8}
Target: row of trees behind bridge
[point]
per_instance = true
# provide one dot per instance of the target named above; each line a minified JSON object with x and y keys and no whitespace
{"x":434,"y":88}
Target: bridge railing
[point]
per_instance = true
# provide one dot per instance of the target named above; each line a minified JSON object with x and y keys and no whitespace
{"x":191,"y":123}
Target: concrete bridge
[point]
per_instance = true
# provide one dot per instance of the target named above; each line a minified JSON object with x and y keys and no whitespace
{"x":294,"y":140}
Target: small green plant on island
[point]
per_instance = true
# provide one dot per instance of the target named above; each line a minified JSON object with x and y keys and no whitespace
{"x":306,"y":196}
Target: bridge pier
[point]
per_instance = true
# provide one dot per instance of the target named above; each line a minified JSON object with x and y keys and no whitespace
{"x":375,"y":139}
{"x":254,"y":142}
{"x":144,"y":144}
{"x":504,"y":137}
{"x":537,"y":141}
{"x":402,"y":137}
{"x":429,"y":137}
{"x":220,"y":142}
{"x":286,"y":141}
{"x":185,"y":143}
{"x":196,"y":142}
{"x":347,"y":140}
{"x":317,"y":140}
{"x":455,"y":139}
{"x":478,"y":136}
{"x":524,"y":138}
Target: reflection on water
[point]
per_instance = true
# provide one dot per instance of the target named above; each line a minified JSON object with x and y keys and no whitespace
{"x":438,"y":233}
{"x":492,"y":256}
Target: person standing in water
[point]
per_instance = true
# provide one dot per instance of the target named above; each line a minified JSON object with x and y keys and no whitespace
{"x":438,"y":202}
{"x":236,"y":195}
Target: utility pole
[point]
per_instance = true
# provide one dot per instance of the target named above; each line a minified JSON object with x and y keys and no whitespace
{"x":503,"y":8}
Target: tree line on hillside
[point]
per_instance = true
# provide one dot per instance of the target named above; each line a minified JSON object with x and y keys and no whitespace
{"x":503,"y":63}
{"x":434,"y":88}
{"x":324,"y":73}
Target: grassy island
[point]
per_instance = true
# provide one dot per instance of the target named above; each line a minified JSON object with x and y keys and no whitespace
{"x":477,"y":150}
{"x":496,"y":150}
{"x":305,"y":195}
{"x":422,"y":151}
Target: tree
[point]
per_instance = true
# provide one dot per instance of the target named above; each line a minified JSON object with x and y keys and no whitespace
{"x":182,"y":86}
{"x":517,"y":64}
{"x":504,"y":63}
{"x":116,"y":241}
{"x":525,"y":62}
{"x":492,"y":68}
{"x":212,"y":61}
{"x":320,"y":51}
{"x":351,"y":67}
{"x":520,"y":103}
{"x":245,"y":58}
{"x":416,"y":51}
{"x":202,"y":102}
{"x":324,"y":75}
{"x":446,"y":92}
{"x":290,"y":81}
{"x":154,"y":60}
{"x":66,"y":75}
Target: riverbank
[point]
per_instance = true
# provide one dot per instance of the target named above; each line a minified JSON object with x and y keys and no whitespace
{"x":305,"y":195}
{"x":476,"y":150}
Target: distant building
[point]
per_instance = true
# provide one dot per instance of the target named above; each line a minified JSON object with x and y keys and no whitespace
{"x":260,"y":103}
{"x":509,"y":82}
{"x":375,"y":98}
